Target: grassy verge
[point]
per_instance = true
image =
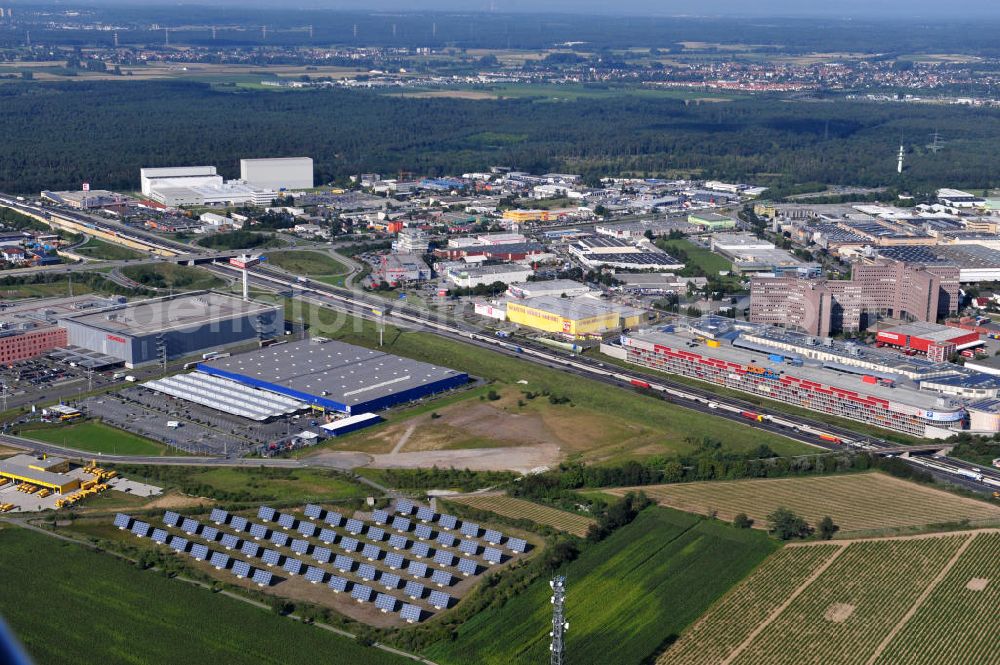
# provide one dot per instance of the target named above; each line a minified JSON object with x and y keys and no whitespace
{"x":117,"y":613}
{"x":705,"y":259}
{"x":95,"y":437}
{"x":631,"y":594}
{"x":311,"y":264}
{"x":98,"y":249}
{"x":172,"y":276}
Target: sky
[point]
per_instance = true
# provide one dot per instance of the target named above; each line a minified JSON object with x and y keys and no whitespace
{"x":833,"y":8}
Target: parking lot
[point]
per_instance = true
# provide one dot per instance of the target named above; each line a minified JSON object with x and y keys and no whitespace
{"x":42,"y":379}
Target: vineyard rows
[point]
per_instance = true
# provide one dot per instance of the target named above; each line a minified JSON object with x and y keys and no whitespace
{"x":910,"y":601}
{"x":733,"y":618}
{"x":514,"y":508}
{"x":856,"y":502}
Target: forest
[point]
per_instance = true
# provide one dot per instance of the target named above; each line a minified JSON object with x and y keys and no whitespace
{"x":59,"y":135}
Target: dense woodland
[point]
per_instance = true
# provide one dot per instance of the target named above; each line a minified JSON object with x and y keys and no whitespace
{"x":59,"y":135}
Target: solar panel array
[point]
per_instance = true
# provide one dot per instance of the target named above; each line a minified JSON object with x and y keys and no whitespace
{"x":375,"y":535}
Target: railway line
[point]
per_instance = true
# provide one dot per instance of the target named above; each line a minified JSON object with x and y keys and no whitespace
{"x":818,"y":434}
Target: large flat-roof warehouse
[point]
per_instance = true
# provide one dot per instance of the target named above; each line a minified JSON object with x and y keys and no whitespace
{"x":336,"y":376}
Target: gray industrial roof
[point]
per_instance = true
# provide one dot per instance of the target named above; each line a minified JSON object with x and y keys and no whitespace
{"x":186,"y":310}
{"x":346,"y":373}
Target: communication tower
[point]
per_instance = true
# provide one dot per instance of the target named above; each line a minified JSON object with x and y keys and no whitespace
{"x":559,"y":623}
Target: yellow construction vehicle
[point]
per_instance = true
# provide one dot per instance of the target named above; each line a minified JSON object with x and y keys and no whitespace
{"x":44,"y":493}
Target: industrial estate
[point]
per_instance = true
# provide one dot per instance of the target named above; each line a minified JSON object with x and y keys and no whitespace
{"x":526,"y":410}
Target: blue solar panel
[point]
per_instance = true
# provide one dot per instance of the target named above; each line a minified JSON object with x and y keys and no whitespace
{"x":380,"y":516}
{"x":423,"y":532}
{"x":279,"y":539}
{"x":493,"y":537}
{"x":140,"y":529}
{"x":219,"y":516}
{"x":444,"y":558}
{"x":159,"y":535}
{"x":389,"y":580}
{"x":417,"y":569}
{"x":250,"y":548}
{"x":421,"y":550}
{"x":271,"y":557}
{"x":441,"y":578}
{"x":300,"y":546}
{"x":376,"y":533}
{"x":229,"y":541}
{"x":313,"y":511}
{"x":123,"y":521}
{"x":189,"y":526}
{"x":179,"y":544}
{"x":493,"y":555}
{"x":315,"y":574}
{"x":322,"y":554}
{"x":394,"y":560}
{"x":258,"y":531}
{"x":398,"y":542}
{"x":286,"y":521}
{"x":468,"y":547}
{"x":266,"y":513}
{"x":371,"y":552}
{"x":338,"y":584}
{"x":404,"y":506}
{"x":209,"y":533}
{"x":467,"y":566}
{"x":439,"y":599}
{"x":219,"y":560}
{"x":446,"y":540}
{"x":448,"y":522}
{"x":401,"y":524}
{"x":241,"y":568}
{"x":334,"y":519}
{"x":385,"y":602}
{"x":328,"y":536}
{"x":308,"y":529}
{"x":292,"y":566}
{"x":199,"y":551}
{"x":518,"y":545}
{"x":343,"y":563}
{"x":366,"y":571}
{"x":170,"y":518}
{"x":425,"y":514}
{"x":361,"y":593}
{"x":262,"y":577}
{"x":238,"y":523}
{"x":470,"y":529}
{"x":354,"y":526}
{"x":349,"y":544}
{"x":410,"y":613}
{"x":414,"y":590}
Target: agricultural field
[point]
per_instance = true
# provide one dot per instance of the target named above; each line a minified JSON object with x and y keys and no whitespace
{"x":103,"y":610}
{"x":633,"y":593}
{"x":96,"y":437}
{"x":591,"y":423}
{"x":913,"y":601}
{"x":861,"y":503}
{"x":515,"y":508}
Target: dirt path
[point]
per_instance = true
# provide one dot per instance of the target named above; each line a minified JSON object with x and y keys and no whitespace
{"x":920,"y":600}
{"x":521,"y":459}
{"x":781,"y":608}
{"x":403,"y":439}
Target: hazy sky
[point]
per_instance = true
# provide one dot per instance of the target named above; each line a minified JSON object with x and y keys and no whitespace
{"x":958,"y":9}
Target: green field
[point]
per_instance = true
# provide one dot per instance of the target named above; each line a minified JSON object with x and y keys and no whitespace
{"x":621,"y":424}
{"x":57,"y":288}
{"x":629,"y":595}
{"x":92,"y":608}
{"x":172,"y":276}
{"x":96,"y":437}
{"x":317,"y":265}
{"x":705,"y":259}
{"x":98,"y":249}
{"x":251,"y":484}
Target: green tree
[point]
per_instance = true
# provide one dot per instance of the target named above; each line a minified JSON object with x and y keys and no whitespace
{"x":741,"y":521}
{"x":786,"y":525}
{"x":826,"y":528}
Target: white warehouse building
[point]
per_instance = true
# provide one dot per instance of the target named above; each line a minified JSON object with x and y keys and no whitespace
{"x":278,"y":173}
